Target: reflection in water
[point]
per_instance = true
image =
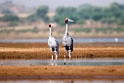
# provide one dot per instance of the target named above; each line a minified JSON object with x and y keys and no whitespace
{"x":63,"y":81}
{"x":75,"y":62}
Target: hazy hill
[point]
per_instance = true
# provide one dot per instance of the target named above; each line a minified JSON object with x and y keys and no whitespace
{"x":15,"y":8}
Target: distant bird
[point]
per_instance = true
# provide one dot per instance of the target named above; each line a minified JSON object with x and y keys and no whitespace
{"x":53,"y":43}
{"x":67,"y":41}
{"x":116,"y":39}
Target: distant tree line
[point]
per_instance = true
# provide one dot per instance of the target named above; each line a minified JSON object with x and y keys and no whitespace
{"x":111,"y":14}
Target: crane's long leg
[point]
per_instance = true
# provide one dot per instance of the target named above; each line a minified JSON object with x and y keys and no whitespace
{"x":56,"y":56}
{"x":64,"y":59}
{"x":52,"y":60}
{"x":69,"y":54}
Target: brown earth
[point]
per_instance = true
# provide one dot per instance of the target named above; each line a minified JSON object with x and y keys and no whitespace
{"x":62,"y":70}
{"x":42,"y":51}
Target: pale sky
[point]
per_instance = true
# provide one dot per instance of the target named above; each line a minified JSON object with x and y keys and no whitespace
{"x":55,"y":3}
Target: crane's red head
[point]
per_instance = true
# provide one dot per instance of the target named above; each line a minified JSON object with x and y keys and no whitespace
{"x":66,"y":20}
{"x":49,"y":25}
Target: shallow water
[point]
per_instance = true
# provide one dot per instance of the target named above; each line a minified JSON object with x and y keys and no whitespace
{"x":75,"y":40}
{"x":82,"y":62}
{"x":75,"y":62}
{"x":63,"y":81}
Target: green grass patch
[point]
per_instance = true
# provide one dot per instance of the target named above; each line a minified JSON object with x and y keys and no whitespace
{"x":81,"y":29}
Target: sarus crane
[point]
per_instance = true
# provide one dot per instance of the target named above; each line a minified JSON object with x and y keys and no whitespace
{"x":53,"y":43}
{"x":67,"y":40}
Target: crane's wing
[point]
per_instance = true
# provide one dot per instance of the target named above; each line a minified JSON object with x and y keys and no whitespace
{"x":67,"y":40}
{"x":52,"y":42}
{"x":72,"y":45}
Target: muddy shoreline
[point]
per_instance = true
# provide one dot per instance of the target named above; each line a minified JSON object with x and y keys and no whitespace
{"x":60,"y":77}
{"x":42,"y":70}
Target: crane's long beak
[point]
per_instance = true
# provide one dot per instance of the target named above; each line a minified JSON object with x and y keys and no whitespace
{"x":70,"y":20}
{"x":52,"y":24}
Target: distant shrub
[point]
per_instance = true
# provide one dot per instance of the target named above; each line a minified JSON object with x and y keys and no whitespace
{"x":46,"y":19}
{"x":6,"y":31}
{"x":35,"y":30}
{"x":119,"y":29}
{"x":42,"y":13}
{"x":103,"y":30}
{"x":10,"y":17}
{"x":86,"y":30}
{"x":13,"y":24}
{"x":109,"y":29}
{"x":81,"y":21}
{"x":32,"y":18}
{"x":6,"y":11}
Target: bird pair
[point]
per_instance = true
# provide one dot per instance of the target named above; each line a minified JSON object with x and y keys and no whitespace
{"x":67,"y":41}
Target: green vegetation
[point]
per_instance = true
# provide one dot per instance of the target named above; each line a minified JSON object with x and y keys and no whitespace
{"x":13,"y":24}
{"x":110,"y":29}
{"x":88,"y":19}
{"x":32,"y":17}
{"x":8,"y":31}
{"x":86,"y":30}
{"x":63,"y":12}
{"x":103,"y":30}
{"x":100,"y":29}
{"x":6,"y":11}
{"x":40,"y":13}
{"x":10,"y":18}
{"x":34,"y":30}
{"x":76,"y":30}
{"x":112,"y":14}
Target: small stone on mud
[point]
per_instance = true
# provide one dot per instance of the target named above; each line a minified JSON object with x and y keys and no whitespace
{"x":31,"y":65}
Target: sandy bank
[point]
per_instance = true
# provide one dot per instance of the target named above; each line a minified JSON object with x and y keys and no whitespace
{"x":61,"y":70}
{"x":42,"y":51}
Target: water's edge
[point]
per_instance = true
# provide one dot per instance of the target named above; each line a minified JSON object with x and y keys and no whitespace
{"x":57,"y":77}
{"x":59,"y":39}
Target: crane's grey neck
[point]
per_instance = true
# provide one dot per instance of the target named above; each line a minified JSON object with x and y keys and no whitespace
{"x":50,"y":31}
{"x":66,"y":31}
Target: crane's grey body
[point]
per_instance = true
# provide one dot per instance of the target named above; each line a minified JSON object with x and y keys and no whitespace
{"x":67,"y":42}
{"x":53,"y":44}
